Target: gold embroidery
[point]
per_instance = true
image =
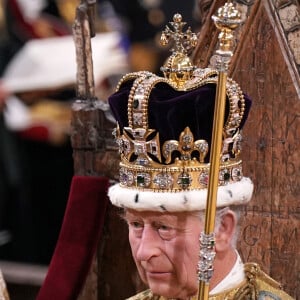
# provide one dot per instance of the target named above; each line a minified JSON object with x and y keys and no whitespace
{"x":257,"y":284}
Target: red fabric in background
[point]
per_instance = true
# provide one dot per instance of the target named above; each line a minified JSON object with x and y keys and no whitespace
{"x":36,"y":133}
{"x":78,"y":239}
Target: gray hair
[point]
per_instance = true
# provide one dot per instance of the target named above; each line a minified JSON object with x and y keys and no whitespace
{"x":220,"y":213}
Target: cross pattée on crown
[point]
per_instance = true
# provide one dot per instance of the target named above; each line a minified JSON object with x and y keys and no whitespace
{"x":136,"y":142}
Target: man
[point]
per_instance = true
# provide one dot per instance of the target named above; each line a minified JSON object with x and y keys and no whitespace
{"x":164,"y":135}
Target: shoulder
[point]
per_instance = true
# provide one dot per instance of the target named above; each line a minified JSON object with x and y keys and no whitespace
{"x":145,"y":295}
{"x":265,"y":286}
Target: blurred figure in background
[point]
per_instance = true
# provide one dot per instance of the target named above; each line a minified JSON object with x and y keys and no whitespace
{"x":141,"y":20}
{"x":35,"y":166}
{"x":25,"y":20}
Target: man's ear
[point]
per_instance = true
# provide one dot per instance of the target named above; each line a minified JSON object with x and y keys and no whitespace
{"x":226,"y":231}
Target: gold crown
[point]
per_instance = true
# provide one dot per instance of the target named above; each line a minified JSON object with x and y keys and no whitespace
{"x":147,"y":165}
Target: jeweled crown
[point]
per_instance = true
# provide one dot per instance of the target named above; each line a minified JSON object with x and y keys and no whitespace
{"x":165,"y":124}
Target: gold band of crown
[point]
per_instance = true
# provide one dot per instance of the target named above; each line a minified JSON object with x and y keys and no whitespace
{"x":176,"y":179}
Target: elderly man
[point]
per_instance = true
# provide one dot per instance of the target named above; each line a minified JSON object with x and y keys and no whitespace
{"x":164,"y":135}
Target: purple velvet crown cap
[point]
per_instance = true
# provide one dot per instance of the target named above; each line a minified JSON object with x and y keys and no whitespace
{"x":171,"y":111}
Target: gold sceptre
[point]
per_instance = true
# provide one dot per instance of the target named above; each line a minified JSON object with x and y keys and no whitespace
{"x":226,"y":20}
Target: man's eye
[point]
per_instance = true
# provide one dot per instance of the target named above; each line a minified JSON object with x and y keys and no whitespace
{"x":136,"y":225}
{"x":166,"y":232}
{"x":164,"y":227}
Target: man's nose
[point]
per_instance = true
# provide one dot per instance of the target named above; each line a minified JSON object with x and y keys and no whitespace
{"x":149,"y":244}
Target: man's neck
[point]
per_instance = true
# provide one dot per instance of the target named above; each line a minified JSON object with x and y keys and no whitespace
{"x":235,"y":277}
{"x":223,"y":264}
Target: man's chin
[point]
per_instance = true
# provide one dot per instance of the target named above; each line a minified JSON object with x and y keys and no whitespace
{"x":169,"y":289}
{"x":164,"y":289}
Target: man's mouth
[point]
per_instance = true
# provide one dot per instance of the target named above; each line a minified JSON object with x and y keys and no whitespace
{"x":157,"y":274}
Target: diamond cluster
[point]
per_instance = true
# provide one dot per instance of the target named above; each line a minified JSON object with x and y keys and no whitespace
{"x":206,"y":255}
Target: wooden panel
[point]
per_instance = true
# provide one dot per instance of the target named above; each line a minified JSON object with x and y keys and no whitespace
{"x":94,"y":149}
{"x":270,"y":229}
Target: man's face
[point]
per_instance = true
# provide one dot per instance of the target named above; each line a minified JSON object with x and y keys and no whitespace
{"x":165,"y":248}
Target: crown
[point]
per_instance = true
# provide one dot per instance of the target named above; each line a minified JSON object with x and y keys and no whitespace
{"x":164,"y":133}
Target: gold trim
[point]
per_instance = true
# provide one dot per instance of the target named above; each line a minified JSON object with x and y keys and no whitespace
{"x":175,"y":179}
{"x":257,"y":282}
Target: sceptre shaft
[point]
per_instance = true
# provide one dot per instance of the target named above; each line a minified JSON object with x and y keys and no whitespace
{"x":226,"y":20}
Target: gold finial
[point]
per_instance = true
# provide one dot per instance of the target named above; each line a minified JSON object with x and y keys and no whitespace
{"x":227,"y":19}
{"x":178,"y":68}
